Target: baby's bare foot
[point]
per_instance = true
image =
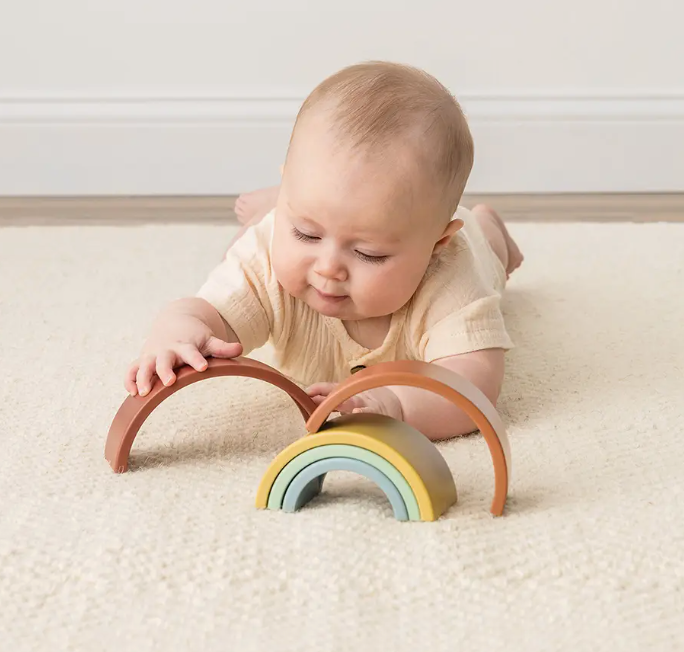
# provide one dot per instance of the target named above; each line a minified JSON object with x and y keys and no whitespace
{"x":515,"y":257}
{"x":254,"y":205}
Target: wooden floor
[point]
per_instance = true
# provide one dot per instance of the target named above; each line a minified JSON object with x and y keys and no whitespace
{"x":521,"y":208}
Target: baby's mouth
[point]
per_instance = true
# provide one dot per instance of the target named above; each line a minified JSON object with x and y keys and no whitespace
{"x":330,"y":297}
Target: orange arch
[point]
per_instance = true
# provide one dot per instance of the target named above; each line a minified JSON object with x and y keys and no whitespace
{"x":441,"y":381}
{"x":135,"y":409}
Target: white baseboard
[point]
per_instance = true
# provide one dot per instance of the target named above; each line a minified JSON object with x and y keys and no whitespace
{"x":224,"y":145}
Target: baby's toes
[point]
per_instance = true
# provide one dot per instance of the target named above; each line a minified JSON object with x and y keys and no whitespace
{"x":241,"y":209}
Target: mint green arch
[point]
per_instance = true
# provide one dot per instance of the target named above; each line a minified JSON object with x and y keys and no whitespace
{"x":297,"y":464}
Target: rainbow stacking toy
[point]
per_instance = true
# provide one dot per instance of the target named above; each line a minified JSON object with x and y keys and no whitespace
{"x":398,"y":458}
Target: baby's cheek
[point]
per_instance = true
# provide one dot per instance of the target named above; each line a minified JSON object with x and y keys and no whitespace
{"x":288,"y":272}
{"x":403,"y":283}
{"x":279,"y":268}
{"x":384,"y":292}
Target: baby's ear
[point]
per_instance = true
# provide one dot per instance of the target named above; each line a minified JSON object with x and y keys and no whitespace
{"x":451,"y":229}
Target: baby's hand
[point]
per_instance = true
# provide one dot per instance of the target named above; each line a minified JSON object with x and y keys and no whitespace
{"x":176,"y":340}
{"x":381,"y":400}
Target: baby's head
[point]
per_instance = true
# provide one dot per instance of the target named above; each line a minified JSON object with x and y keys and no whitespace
{"x":378,"y":160}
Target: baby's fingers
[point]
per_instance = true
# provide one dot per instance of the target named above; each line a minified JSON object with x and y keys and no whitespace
{"x":165,"y":363}
{"x":217,"y":348}
{"x":351,"y":405}
{"x":348,"y":406}
{"x":320,"y":389}
{"x":144,"y":375}
{"x":129,"y":380}
{"x":190,"y":355}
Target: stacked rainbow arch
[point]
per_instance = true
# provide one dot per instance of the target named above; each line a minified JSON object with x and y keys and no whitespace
{"x":399,"y":459}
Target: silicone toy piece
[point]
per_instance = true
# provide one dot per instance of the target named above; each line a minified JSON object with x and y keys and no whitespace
{"x":135,"y":409}
{"x":338,"y":452}
{"x":441,"y":381}
{"x":307,"y":484}
{"x":404,"y":463}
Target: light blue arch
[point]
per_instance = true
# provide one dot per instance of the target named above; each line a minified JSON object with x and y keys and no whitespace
{"x":307,"y":484}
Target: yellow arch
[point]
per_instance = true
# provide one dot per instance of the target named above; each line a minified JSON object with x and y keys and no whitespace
{"x":408,"y":450}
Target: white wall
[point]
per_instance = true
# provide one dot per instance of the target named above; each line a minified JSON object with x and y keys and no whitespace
{"x":176,"y":97}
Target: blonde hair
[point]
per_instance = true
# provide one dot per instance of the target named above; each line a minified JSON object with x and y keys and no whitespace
{"x":377,"y":103}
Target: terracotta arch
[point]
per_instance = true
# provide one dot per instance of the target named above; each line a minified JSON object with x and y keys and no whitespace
{"x":135,"y":409}
{"x":441,"y":381}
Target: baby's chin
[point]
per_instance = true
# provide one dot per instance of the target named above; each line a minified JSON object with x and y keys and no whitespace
{"x":344,"y":310}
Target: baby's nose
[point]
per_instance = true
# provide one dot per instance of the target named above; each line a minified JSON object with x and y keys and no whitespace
{"x":331,"y":267}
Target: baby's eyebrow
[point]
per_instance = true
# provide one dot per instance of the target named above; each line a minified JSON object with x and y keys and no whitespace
{"x":382,"y":237}
{"x":379,"y":242}
{"x":302,"y":217}
{"x":308,"y":220}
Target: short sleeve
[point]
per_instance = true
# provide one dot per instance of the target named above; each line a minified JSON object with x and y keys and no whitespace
{"x":457,"y":309}
{"x":240,"y":288}
{"x":477,"y":326}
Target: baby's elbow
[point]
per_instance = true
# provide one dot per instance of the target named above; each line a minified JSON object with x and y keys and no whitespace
{"x":491,"y":386}
{"x":484,"y":369}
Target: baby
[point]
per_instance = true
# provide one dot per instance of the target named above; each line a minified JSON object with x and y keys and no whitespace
{"x":365,"y":257}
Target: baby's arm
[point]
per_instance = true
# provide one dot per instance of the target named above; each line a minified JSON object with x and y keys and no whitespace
{"x":203,"y":310}
{"x":438,"y":418}
{"x":434,"y":416}
{"x":184,"y":332}
{"x":189,"y":330}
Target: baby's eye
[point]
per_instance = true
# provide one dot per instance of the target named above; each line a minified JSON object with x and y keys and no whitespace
{"x":302,"y":236}
{"x":376,"y":260}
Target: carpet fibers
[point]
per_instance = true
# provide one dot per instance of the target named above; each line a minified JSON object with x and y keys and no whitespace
{"x":174,"y":556}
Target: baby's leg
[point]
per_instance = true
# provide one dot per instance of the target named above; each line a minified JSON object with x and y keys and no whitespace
{"x":499,"y":238}
{"x":252,"y":206}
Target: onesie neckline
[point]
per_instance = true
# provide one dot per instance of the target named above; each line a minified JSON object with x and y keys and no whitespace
{"x":355,"y":353}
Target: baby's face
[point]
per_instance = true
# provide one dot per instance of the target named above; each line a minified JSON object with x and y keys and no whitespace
{"x":353,"y":237}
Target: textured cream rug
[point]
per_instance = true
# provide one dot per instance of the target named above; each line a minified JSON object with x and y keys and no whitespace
{"x":173,"y":555}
